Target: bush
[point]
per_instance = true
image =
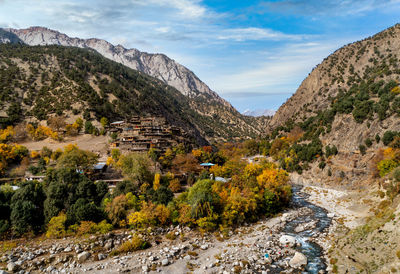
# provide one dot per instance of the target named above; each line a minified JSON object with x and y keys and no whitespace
{"x":396,"y":174}
{"x":363,"y":149}
{"x":385,"y":166}
{"x":368,"y":142}
{"x":134,"y":244}
{"x":88,"y":227}
{"x":388,"y":137}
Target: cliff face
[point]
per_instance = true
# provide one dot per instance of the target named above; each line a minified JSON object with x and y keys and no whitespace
{"x":222,"y":121}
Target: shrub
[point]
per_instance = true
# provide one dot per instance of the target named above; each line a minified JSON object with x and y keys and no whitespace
{"x":86,"y":227}
{"x":134,"y":244}
{"x":385,"y":166}
{"x":396,"y":174}
{"x":388,"y":137}
{"x":368,"y":142}
{"x":175,"y":185}
{"x":170,"y":236}
{"x":363,"y":149}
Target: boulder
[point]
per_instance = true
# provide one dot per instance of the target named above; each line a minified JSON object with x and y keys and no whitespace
{"x":298,"y":260}
{"x":330,"y":215}
{"x":3,"y":272}
{"x":164,"y":262}
{"x":284,"y":217}
{"x":12,"y":267}
{"x":287,"y":240}
{"x":83,"y":256}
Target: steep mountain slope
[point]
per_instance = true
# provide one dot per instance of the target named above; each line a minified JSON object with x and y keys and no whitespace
{"x":39,"y":81}
{"x":343,"y":123}
{"x":334,"y":129}
{"x":371,"y":60}
{"x":227,"y":121}
{"x":351,"y":96}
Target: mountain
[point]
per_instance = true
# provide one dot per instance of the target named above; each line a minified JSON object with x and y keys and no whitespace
{"x":227,"y":121}
{"x":350,"y":101}
{"x":259,"y":112}
{"x":40,"y":81}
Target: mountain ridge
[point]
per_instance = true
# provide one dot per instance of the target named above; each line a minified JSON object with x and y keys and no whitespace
{"x":229,"y":123}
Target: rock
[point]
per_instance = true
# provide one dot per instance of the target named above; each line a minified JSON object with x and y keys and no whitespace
{"x":204,"y":247}
{"x":109,"y":244}
{"x":298,"y":260}
{"x":145,"y":268}
{"x":3,"y":272}
{"x":83,"y":256}
{"x":187,"y":257}
{"x":164,"y":262}
{"x":101,"y":256}
{"x":284,"y":217}
{"x":68,"y":249}
{"x":330,"y":215}
{"x":287,"y":240}
{"x":12,"y":267}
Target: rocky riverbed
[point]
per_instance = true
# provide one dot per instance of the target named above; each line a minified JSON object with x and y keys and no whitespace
{"x":289,"y":243}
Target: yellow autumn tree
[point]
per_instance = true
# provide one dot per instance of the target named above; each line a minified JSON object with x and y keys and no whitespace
{"x":6,"y":134}
{"x":156,"y":182}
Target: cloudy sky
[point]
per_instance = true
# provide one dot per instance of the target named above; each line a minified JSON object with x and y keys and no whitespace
{"x":253,"y":53}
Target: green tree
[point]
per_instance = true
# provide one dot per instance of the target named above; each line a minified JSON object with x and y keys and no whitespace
{"x":76,"y":158}
{"x":136,"y":167}
{"x":202,"y":199}
{"x":27,"y":208}
{"x":104,"y":122}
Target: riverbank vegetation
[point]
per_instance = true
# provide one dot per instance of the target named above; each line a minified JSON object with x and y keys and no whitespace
{"x":158,"y":190}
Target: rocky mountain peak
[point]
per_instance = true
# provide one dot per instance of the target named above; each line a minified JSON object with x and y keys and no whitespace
{"x":157,"y":65}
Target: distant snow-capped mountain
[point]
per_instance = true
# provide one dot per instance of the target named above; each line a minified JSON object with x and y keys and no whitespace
{"x":259,"y":112}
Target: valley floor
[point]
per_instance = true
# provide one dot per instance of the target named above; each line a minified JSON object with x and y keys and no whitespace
{"x":242,"y":252}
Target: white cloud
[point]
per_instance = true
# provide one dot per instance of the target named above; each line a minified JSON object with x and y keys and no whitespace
{"x":280,"y":71}
{"x":243,"y":34}
{"x":186,"y":8}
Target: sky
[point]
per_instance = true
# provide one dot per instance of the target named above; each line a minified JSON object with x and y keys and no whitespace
{"x":254,"y":54}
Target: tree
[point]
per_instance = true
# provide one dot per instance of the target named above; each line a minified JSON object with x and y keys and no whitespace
{"x":84,"y":210}
{"x":27,"y":208}
{"x":186,"y":163}
{"x":56,"y":226}
{"x":56,"y":123}
{"x":104,"y":122}
{"x":89,"y":128}
{"x":136,"y":167}
{"x":79,"y":123}
{"x":117,"y":210}
{"x":202,"y":199}
{"x":75,"y":158}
